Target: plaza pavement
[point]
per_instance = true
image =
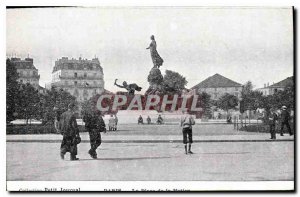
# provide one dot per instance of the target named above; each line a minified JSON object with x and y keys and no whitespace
{"x":214,"y":161}
{"x":160,"y":133}
{"x":145,"y":153}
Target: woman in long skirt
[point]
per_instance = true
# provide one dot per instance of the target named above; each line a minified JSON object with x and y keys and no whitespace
{"x":156,"y":59}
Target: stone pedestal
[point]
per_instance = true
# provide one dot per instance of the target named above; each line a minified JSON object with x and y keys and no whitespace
{"x":155,"y":79}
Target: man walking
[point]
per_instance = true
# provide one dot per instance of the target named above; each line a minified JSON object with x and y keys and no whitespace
{"x":69,"y":129}
{"x":285,"y":117}
{"x":186,"y":123}
{"x":272,"y":121}
{"x":94,"y":124}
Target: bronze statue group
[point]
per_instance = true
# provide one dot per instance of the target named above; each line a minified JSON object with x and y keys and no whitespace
{"x":157,"y":62}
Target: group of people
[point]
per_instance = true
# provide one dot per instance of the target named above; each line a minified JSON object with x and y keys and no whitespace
{"x":141,"y":120}
{"x":283,"y":121}
{"x":66,"y":125}
{"x":112,"y":122}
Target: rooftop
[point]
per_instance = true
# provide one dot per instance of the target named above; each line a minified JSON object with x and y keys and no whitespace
{"x":73,"y":64}
{"x":216,"y":81}
{"x":283,"y":83}
{"x":26,"y":63}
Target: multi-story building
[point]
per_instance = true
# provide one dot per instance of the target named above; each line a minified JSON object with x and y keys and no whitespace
{"x":217,"y":86}
{"x":82,"y":78}
{"x":275,"y":87}
{"x":27,"y":71}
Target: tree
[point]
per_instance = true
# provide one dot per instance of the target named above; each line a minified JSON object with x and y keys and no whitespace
{"x":247,"y":89}
{"x":173,"y":82}
{"x":206,"y":104}
{"x":27,"y":105}
{"x":227,"y":101}
{"x":12,"y":86}
{"x":60,"y":99}
{"x":251,"y":99}
{"x":280,"y":98}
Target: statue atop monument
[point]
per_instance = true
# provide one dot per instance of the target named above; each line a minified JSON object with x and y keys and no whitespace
{"x":156,"y":59}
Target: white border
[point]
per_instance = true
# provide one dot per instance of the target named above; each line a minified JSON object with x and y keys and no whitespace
{"x":87,"y":185}
{"x":150,"y":185}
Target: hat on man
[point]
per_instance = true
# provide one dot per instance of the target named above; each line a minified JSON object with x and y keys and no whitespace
{"x":283,"y":107}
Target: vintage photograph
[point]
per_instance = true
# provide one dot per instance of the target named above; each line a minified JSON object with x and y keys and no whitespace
{"x":169,"y":95}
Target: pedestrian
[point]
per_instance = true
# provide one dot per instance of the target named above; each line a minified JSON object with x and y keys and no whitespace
{"x":285,"y":117}
{"x":159,"y":119}
{"x":148,"y":120}
{"x":140,"y":120}
{"x":111,"y":123}
{"x":186,"y":123}
{"x":116,"y":121}
{"x":56,"y":119}
{"x":69,"y":129}
{"x":272,"y":122}
{"x":94,"y":124}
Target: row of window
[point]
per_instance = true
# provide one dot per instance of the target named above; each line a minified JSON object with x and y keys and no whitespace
{"x":216,"y":95}
{"x":29,"y":80}
{"x":28,"y":73}
{"x":94,"y":83}
{"x":85,"y":75}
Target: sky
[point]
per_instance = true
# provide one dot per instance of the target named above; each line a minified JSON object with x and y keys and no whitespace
{"x":241,"y":44}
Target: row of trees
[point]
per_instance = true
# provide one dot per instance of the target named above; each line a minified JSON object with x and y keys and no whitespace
{"x":250,"y":100}
{"x":23,"y":101}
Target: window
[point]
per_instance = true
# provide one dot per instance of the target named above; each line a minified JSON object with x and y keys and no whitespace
{"x":275,"y":90}
{"x":75,"y":75}
{"x":236,"y":89}
{"x":75,"y":83}
{"x":85,"y":75}
{"x":215,"y":89}
{"x":66,"y":82}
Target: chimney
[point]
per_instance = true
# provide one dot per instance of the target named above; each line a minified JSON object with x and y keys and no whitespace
{"x":268,"y":84}
{"x":264,"y":85}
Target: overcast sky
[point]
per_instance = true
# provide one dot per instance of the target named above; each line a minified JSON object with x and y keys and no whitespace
{"x":242,"y":44}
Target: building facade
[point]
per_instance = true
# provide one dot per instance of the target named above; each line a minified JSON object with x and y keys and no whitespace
{"x":275,"y":87}
{"x":82,"y":78}
{"x":218,"y":85}
{"x":27,"y":71}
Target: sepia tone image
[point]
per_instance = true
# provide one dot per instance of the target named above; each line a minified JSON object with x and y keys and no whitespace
{"x":150,"y":94}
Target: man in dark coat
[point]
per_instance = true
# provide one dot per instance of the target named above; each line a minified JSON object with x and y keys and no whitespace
{"x":69,"y":130}
{"x":285,"y":117}
{"x":94,"y":124}
{"x":272,"y":121}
